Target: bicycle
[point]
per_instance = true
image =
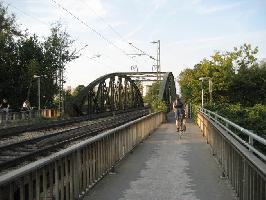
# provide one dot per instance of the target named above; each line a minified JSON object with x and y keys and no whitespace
{"x":181,"y":125}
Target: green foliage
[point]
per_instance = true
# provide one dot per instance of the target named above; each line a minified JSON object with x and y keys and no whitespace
{"x":239,"y":87}
{"x":22,"y":56}
{"x":153,"y":93}
{"x":158,"y":105}
{"x":252,"y":118}
{"x":248,"y":86}
{"x":78,"y":89}
{"x":152,"y":98}
{"x":236,"y":77}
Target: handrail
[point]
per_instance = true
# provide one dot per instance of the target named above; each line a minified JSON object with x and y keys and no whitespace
{"x":214,"y":117}
{"x":51,"y":158}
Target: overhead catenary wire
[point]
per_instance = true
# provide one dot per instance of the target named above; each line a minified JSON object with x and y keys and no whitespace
{"x":117,"y":33}
{"x":104,"y":21}
{"x":90,"y":27}
{"x":34,"y":17}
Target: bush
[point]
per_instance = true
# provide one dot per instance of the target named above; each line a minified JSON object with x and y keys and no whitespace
{"x":158,"y":105}
{"x":251,"y":118}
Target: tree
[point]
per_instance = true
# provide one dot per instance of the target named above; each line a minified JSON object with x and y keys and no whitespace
{"x":57,"y":53}
{"x":78,"y":89}
{"x":230,"y":74}
{"x":152,"y":98}
{"x":23,"y":55}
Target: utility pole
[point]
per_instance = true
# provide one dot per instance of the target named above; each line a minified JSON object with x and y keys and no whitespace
{"x":60,"y":78}
{"x":158,"y":58}
{"x":39,"y":91}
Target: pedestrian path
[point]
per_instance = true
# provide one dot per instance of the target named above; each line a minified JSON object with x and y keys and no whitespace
{"x":165,"y":167}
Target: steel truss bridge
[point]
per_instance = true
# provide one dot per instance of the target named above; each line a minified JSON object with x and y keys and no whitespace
{"x":120,"y":92}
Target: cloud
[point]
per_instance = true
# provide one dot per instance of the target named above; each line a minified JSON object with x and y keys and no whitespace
{"x":155,"y":5}
{"x":202,"y":9}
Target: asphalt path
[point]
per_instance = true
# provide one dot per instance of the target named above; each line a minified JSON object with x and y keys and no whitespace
{"x":165,"y":167}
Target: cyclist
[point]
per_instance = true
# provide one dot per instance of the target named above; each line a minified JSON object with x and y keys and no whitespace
{"x":178,"y":108}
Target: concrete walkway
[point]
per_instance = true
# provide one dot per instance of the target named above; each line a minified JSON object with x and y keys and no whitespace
{"x":166,"y":168}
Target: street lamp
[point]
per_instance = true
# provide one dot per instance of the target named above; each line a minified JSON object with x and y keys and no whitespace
{"x":39,"y":91}
{"x":202,"y":89}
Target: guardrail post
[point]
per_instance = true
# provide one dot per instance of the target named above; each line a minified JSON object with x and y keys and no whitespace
{"x":227,"y":126}
{"x":250,"y":141}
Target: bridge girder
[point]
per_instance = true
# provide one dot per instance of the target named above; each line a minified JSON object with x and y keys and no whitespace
{"x":118,"y":91}
{"x":111,"y":92}
{"x":167,"y":91}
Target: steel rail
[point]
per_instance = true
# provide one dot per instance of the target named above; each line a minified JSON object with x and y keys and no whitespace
{"x":11,"y":131}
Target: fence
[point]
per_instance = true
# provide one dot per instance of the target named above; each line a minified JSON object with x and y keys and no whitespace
{"x":68,"y":174}
{"x":16,"y":117}
{"x":25,"y":117}
{"x":242,"y":163}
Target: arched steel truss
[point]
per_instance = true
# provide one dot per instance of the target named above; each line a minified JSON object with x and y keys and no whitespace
{"x":167,"y":91}
{"x":111,"y":92}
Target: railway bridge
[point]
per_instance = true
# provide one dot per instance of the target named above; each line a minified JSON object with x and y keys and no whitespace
{"x":112,"y":137}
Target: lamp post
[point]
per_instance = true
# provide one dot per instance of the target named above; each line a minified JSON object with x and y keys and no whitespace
{"x":202,"y":89}
{"x":210,"y":89}
{"x":39,"y":91}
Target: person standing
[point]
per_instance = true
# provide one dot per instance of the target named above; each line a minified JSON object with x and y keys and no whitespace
{"x":26,"y":105}
{"x":4,"y":106}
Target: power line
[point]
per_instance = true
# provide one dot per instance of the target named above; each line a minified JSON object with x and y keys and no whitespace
{"x":143,"y":52}
{"x":117,"y":33}
{"x":34,"y":17}
{"x":90,"y":27}
{"x":103,"y":20}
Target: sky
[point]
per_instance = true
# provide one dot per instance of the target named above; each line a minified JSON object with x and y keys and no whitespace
{"x":188,"y":30}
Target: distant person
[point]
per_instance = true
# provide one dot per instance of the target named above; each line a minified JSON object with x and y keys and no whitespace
{"x":26,"y":106}
{"x":178,"y":108}
{"x":4,"y":106}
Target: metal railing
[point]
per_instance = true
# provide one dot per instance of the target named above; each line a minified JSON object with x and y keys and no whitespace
{"x":8,"y":119}
{"x":241,"y":162}
{"x":228,"y":126}
{"x":70,"y":173}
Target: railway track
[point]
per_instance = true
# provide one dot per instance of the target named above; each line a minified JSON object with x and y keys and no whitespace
{"x":53,"y":124}
{"x":18,"y":153}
